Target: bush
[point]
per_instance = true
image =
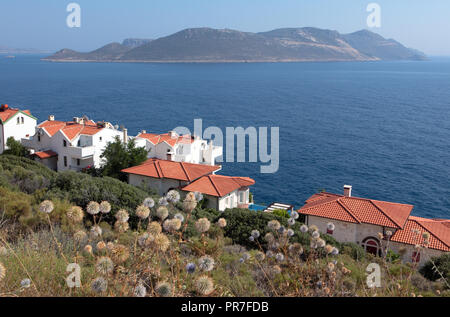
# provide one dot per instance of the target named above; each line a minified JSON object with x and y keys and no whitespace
{"x":281,"y":213}
{"x":442,"y":265}
{"x":80,"y":189}
{"x":352,"y":249}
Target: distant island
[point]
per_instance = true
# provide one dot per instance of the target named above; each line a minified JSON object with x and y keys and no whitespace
{"x":9,"y":50}
{"x":223,"y":45}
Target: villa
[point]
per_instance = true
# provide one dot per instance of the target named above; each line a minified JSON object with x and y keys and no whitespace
{"x":16,"y":123}
{"x":71,"y":145}
{"x":164,"y":175}
{"x":179,"y":148}
{"x":222,"y":192}
{"x":373,"y":223}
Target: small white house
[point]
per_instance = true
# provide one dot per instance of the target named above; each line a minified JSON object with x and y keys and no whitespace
{"x":164,"y":175}
{"x":222,"y":192}
{"x":375,"y":224}
{"x":179,"y":148}
{"x":16,"y":123}
{"x":72,"y":145}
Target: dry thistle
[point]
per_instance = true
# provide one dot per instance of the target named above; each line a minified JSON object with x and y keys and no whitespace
{"x":204,"y":285}
{"x":202,"y":225}
{"x":75,"y":214}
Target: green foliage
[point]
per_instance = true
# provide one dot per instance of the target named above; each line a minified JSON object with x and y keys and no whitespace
{"x":392,"y":257}
{"x":80,"y":189}
{"x":355,"y":251}
{"x":442,"y":265}
{"x":16,"y":148}
{"x":119,"y":156}
{"x":281,"y":213}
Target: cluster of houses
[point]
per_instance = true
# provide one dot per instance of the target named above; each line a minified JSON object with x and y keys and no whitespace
{"x":187,"y":163}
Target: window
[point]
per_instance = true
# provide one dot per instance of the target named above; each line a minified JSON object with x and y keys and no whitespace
{"x":39,"y":138}
{"x":415,"y":257}
{"x":100,"y":139}
{"x":79,"y":143}
{"x":371,"y":245}
{"x":23,"y":120}
{"x":64,"y":143}
{"x":65,"y":161}
{"x":241,"y":197}
{"x":18,"y":120}
{"x":78,"y":162}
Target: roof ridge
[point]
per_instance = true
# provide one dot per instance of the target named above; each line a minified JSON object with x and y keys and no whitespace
{"x":214,"y":185}
{"x":185,"y":171}
{"x":387,"y":216}
{"x":343,"y":205}
{"x":158,"y":169}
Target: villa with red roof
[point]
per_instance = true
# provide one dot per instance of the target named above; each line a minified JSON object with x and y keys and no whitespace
{"x":222,"y":192}
{"x":71,"y":145}
{"x":375,"y":224}
{"x":15,"y":123}
{"x":179,"y":148}
{"x":164,"y":175}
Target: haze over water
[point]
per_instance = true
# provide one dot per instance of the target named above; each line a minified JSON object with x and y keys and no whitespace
{"x":382,"y":127}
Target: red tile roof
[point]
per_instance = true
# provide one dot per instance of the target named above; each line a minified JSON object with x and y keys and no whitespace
{"x":46,"y":154}
{"x":8,"y":113}
{"x":160,"y":138}
{"x":218,"y":185}
{"x":70,"y":129}
{"x":357,"y":210}
{"x":174,"y":170}
{"x":416,"y":226}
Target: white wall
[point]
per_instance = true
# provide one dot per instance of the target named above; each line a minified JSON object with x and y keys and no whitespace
{"x":162,"y":186}
{"x":16,"y":130}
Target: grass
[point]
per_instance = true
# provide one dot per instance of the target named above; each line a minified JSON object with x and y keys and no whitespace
{"x":154,"y":261}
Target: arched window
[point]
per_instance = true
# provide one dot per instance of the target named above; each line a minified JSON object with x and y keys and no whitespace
{"x":371,"y":245}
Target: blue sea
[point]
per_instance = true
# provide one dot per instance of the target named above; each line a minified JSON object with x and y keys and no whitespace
{"x":383,"y":127}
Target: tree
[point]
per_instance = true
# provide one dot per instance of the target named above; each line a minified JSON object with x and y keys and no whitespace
{"x":16,"y":148}
{"x":119,"y":156}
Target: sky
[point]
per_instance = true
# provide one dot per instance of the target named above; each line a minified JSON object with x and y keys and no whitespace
{"x":420,"y":24}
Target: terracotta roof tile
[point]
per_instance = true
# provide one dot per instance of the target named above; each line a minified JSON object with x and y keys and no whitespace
{"x":46,"y":154}
{"x":160,"y":138}
{"x":218,"y":185}
{"x":357,"y":209}
{"x":169,"y":169}
{"x":439,"y":233}
{"x":70,"y":129}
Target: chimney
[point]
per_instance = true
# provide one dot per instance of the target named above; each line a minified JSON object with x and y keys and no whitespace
{"x":125,"y":135}
{"x":76,"y":119}
{"x":51,"y":118}
{"x":348,"y":190}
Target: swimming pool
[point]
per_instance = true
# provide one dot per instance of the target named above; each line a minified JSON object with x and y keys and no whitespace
{"x":256,"y":207}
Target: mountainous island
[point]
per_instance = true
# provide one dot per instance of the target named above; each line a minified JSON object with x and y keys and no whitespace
{"x":223,"y":45}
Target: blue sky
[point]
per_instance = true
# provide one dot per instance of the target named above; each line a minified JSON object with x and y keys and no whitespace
{"x":424,"y":25}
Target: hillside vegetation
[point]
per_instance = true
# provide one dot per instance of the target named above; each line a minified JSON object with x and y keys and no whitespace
{"x":126,"y":241}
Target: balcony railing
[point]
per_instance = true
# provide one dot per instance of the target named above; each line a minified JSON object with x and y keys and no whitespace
{"x":81,"y":152}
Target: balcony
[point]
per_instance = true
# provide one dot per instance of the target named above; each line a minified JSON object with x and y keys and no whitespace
{"x":81,"y":152}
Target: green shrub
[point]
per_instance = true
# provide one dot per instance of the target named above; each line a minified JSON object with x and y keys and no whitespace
{"x":442,"y":265}
{"x":355,"y":251}
{"x":281,"y":213}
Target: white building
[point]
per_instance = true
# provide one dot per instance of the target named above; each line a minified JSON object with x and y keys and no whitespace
{"x":163,"y":175}
{"x":16,"y":123}
{"x":72,"y":145}
{"x":180,"y":148}
{"x":361,"y":221}
{"x":222,"y":192}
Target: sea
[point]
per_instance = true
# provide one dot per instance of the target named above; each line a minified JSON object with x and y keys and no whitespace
{"x":382,"y":127}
